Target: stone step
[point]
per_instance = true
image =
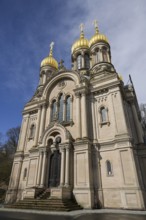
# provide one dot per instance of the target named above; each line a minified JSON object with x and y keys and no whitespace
{"x":48,"y":204}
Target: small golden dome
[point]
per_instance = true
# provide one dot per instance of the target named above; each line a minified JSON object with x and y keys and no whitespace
{"x":81,"y":42}
{"x":49,"y":60}
{"x":97,"y":37}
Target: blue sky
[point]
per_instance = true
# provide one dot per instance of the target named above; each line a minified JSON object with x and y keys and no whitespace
{"x":28,"y":26}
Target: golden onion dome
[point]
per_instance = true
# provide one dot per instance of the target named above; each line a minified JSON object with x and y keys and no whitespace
{"x":97,"y":37}
{"x":49,"y":60}
{"x":82,"y":42}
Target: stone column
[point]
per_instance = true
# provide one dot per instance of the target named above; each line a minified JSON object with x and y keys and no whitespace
{"x":62,"y":166}
{"x":64,"y":110}
{"x":83,"y":60}
{"x":84,"y":116}
{"x":67,"y":167}
{"x":42,"y":122}
{"x":43,"y":168}
{"x":93,"y":119}
{"x":37,"y":127}
{"x":44,"y":78}
{"x":23,"y":136}
{"x":100,"y":55}
{"x":108,"y":55}
{"x":48,"y":166}
{"x":78,"y":115}
{"x":137,"y":124}
{"x":39,"y":168}
{"x":71,"y":109}
{"x":100,"y":189}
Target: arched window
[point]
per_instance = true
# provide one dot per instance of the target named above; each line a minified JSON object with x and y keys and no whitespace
{"x":68,"y":108}
{"x":79,"y":62}
{"x":109,"y":168}
{"x":103,"y":113}
{"x":97,"y":59}
{"x":53,"y":110}
{"x":61,"y":108}
{"x":87,"y":61}
{"x":50,"y":142}
{"x":25,"y":174}
{"x":104,"y":54}
{"x":32,"y":131}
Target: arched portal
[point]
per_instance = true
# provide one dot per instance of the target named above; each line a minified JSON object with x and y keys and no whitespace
{"x":54,"y":171}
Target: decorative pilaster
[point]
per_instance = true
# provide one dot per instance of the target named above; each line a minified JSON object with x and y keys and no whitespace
{"x":71,"y":108}
{"x":67,"y":166}
{"x":78,"y":114}
{"x":84,"y":115}
{"x":137,"y":124}
{"x":100,"y":55}
{"x":37,"y":127}
{"x":83,"y":60}
{"x":22,"y":138}
{"x":62,"y":166}
{"x":64,"y":110}
{"x":39,"y":168}
{"x":44,"y":78}
{"x":42,"y":122}
{"x":93,"y":118}
{"x":43,"y":168}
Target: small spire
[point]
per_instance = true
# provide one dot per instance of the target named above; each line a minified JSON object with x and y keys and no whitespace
{"x":96,"y":26}
{"x":51,"y":49}
{"x":81,"y":30}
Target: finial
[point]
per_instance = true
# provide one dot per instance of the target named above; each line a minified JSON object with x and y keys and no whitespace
{"x":96,"y":26}
{"x":51,"y":49}
{"x":81,"y":30}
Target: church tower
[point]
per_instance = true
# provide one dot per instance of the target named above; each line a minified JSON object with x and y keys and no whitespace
{"x":81,"y":135}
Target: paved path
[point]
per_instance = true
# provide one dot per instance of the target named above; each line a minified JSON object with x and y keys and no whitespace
{"x":76,"y":213}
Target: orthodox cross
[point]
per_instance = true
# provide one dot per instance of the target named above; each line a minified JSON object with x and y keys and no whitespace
{"x":51,"y":48}
{"x":51,"y":45}
{"x":95,"y":23}
{"x":81,"y":27}
{"x":96,"y":26}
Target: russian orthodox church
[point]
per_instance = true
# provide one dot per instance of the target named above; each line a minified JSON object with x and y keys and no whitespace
{"x":81,"y":134}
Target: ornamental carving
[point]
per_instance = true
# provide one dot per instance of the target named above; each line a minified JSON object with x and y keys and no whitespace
{"x":61,"y":84}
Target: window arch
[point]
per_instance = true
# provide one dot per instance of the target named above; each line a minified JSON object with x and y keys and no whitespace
{"x":54,"y":109}
{"x":87,"y":61}
{"x":60,"y":115}
{"x":104,"y":54}
{"x":68,"y":108}
{"x":109,"y":168}
{"x":25,"y":174}
{"x":50,"y":142}
{"x":103,"y":112}
{"x":97,"y":56}
{"x":79,"y":61}
{"x":32,"y":131}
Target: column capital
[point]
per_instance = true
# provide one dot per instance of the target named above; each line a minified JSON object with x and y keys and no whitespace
{"x":83,"y":93}
{"x":44,"y":105}
{"x":77,"y":94}
{"x":62,"y":149}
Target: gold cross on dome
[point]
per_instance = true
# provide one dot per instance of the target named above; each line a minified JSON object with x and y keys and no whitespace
{"x":51,"y":45}
{"x":95,"y":23}
{"x":81,"y":27}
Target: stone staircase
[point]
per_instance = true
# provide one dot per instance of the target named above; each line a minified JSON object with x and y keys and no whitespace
{"x":44,"y":202}
{"x":44,"y":195}
{"x":50,"y":204}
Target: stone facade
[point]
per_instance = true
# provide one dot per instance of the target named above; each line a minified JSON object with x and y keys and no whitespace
{"x":81,"y":135}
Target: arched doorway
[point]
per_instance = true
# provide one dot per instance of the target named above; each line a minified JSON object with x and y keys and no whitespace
{"x":55,"y":166}
{"x":54,"y":171}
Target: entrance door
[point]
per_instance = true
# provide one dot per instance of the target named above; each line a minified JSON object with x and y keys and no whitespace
{"x":55,"y":167}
